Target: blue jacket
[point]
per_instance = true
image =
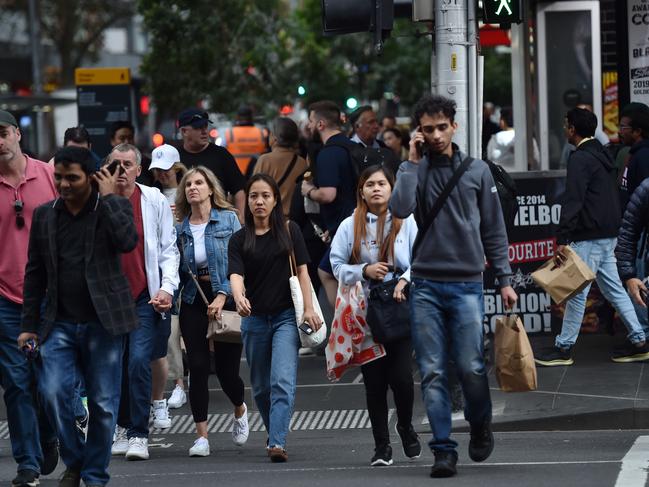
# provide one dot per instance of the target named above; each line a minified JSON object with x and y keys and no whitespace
{"x":219,"y":229}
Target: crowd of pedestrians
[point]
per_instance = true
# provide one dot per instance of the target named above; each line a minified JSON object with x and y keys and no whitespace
{"x":112,"y":267}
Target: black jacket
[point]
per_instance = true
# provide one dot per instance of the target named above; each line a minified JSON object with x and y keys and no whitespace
{"x":638,"y":168}
{"x":110,"y":232}
{"x":590,"y":207}
{"x":636,"y":218}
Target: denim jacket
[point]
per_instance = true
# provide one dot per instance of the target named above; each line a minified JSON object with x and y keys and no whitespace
{"x":219,"y":229}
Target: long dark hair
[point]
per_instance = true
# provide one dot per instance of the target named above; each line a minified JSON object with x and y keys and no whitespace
{"x":277,"y":221}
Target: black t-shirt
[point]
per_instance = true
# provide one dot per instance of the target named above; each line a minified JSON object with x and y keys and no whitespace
{"x":220,"y":162}
{"x":266,"y":270}
{"x":334,"y":170}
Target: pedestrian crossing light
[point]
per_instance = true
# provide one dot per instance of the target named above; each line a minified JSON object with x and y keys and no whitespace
{"x":351,"y":103}
{"x":502,"y":11}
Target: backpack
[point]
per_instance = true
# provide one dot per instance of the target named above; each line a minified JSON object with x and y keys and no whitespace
{"x":507,"y":193}
{"x":363,"y":157}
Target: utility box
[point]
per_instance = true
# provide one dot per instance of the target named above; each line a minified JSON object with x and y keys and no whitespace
{"x":423,"y":10}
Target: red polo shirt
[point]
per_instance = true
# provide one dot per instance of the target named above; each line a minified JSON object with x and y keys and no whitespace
{"x":37,"y":188}
{"x":133,"y":263}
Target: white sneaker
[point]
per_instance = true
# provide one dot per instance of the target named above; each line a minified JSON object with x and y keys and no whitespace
{"x":120,"y":441}
{"x":177,"y":398}
{"x":201,"y":447}
{"x":138,"y":449}
{"x":240,"y":428}
{"x":161,"y":419}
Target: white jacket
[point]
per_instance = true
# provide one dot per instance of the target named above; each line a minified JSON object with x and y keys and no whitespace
{"x":343,"y":241}
{"x":161,"y":256}
{"x":500,"y":149}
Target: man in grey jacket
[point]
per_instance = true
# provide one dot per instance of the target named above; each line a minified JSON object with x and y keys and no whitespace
{"x":446,"y":300}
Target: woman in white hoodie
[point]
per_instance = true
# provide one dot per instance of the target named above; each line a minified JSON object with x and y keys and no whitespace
{"x":369,"y":247}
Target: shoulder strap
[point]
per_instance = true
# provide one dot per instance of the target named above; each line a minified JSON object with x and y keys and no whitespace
{"x":439,"y":203}
{"x":292,"y":261}
{"x":288,"y":171}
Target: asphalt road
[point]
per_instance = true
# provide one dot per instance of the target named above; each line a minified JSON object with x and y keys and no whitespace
{"x":330,"y":445}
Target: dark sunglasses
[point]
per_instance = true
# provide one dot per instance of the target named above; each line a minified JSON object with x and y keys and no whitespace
{"x":18,"y":208}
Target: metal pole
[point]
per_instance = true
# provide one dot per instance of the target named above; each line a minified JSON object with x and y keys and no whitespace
{"x":451,"y":60}
{"x":35,"y":45}
{"x":475,"y":110}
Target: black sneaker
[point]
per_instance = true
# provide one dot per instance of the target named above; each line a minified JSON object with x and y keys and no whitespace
{"x":25,"y":478}
{"x":50,"y":456}
{"x":382,"y":456}
{"x":482,"y":442}
{"x":630,"y":352}
{"x":551,"y":357}
{"x":409,"y":441}
{"x":70,"y":478}
{"x":444,"y":466}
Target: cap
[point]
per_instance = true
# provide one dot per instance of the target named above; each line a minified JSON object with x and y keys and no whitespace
{"x":163,"y":157}
{"x":195,"y":117}
{"x":7,"y":119}
{"x":80,"y":155}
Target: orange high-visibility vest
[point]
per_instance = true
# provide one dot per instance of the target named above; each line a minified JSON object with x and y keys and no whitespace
{"x":245,"y":142}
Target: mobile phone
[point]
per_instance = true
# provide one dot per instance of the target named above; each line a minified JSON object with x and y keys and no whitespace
{"x":306,"y":328}
{"x":419,"y":145}
{"x":112,"y":167}
{"x":30,"y":349}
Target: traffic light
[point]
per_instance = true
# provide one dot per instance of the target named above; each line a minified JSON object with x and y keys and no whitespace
{"x":502,"y":11}
{"x":351,"y":103}
{"x":348,"y":16}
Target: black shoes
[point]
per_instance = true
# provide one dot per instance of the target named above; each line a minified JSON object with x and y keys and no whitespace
{"x":444,"y":466}
{"x":25,"y":478}
{"x":554,"y":356}
{"x":50,"y":456}
{"x":382,"y":456}
{"x":409,"y":441}
{"x":482,"y":442}
{"x":630,"y":352}
{"x":70,"y":478}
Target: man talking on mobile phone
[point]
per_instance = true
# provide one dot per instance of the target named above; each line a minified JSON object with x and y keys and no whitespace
{"x":455,"y":202}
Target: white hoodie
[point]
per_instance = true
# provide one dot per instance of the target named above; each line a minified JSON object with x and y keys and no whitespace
{"x":500,"y":149}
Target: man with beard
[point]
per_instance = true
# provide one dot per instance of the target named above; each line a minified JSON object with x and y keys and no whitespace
{"x":333,"y":187}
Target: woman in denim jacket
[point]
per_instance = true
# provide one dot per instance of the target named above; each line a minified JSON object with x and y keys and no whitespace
{"x":207,"y":223}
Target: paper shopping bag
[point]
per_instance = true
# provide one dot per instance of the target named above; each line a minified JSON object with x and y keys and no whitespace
{"x":564,"y":281}
{"x":350,"y":342}
{"x":515,"y":367}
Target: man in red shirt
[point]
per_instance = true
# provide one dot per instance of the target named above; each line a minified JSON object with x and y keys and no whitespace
{"x":152,"y":272}
{"x":25,"y":183}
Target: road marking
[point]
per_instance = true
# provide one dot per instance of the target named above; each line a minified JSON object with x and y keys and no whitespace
{"x":634,"y":464}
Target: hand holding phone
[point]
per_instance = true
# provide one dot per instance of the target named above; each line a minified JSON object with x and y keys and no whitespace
{"x":416,"y":146}
{"x":306,"y":328}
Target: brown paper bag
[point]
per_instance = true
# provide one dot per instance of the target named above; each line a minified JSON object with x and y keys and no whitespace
{"x":515,"y":367}
{"x":565,"y":281}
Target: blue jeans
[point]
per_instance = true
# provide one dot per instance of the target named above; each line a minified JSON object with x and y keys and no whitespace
{"x":83,"y":350}
{"x":641,"y":273}
{"x":17,"y":377}
{"x":446,"y":321}
{"x":135,"y":405}
{"x":271,"y":344}
{"x":600,"y":257}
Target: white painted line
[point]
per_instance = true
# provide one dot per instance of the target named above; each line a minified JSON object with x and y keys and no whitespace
{"x":634,"y":464}
{"x":358,"y":379}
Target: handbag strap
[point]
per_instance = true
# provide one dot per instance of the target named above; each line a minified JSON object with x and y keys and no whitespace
{"x":292,"y":261}
{"x":198,"y":287}
{"x":439,"y":202}
{"x":288,"y":171}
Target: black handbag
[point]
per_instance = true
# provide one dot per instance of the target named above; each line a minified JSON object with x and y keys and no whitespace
{"x":388,"y":319}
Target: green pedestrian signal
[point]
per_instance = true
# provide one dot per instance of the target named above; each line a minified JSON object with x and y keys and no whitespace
{"x":502,"y":11}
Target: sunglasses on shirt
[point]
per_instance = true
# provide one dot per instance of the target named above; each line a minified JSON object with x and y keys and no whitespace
{"x":18,"y":208}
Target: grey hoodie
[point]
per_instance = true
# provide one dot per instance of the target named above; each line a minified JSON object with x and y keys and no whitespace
{"x":469,"y":226}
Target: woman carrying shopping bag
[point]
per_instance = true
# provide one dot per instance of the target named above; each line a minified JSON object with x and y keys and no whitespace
{"x":259,"y":271}
{"x":208,"y":222}
{"x":374,"y":248}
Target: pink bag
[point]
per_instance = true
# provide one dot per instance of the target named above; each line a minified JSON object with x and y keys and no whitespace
{"x":350,"y":342}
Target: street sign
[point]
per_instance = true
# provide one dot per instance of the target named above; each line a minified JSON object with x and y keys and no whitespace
{"x":102,"y":76}
{"x":104,"y":96}
{"x":502,"y":11}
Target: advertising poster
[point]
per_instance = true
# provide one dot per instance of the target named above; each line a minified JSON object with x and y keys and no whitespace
{"x":610,"y":109}
{"x":638,"y":28}
{"x":531,"y":243}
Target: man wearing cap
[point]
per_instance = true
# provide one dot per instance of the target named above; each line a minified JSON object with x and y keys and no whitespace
{"x":197,"y":150}
{"x":74,"y":268}
{"x":25,"y":183}
{"x":245,"y":141}
{"x":152,"y":273}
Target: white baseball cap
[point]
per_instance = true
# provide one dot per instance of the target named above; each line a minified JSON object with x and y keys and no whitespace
{"x":163,"y":157}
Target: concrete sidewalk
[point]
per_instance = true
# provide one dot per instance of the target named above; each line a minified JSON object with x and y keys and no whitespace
{"x":594,"y":393}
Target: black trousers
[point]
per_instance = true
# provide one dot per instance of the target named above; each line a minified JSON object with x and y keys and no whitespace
{"x":227,"y":356}
{"x":393,"y":370}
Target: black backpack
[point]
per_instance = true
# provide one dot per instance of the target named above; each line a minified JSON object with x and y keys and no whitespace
{"x":507,"y":193}
{"x":363,"y":157}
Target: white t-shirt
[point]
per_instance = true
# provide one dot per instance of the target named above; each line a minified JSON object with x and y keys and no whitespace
{"x":170,"y":194}
{"x":200,"y":254}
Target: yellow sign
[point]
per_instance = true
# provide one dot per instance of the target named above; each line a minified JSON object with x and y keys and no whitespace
{"x":453,"y":62}
{"x":102,"y":76}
